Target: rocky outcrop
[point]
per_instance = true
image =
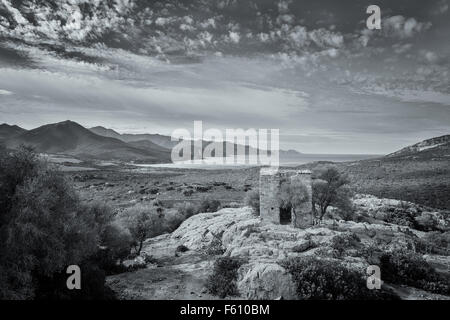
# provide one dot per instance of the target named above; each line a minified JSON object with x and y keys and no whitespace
{"x":262,"y":246}
{"x":265,"y":281}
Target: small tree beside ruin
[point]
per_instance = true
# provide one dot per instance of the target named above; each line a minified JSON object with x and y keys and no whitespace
{"x":293,"y":195}
{"x":330,"y":188}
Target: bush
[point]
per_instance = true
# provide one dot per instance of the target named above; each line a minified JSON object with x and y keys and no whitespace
{"x":434,"y":242}
{"x":215,"y":247}
{"x":222,"y":282}
{"x":187,"y":209}
{"x":401,"y":217}
{"x":252,"y":200}
{"x":405,"y":267}
{"x":44,"y":227}
{"x":342,"y":242}
{"x":426,"y":222}
{"x":318,"y":279}
{"x":440,"y":239}
{"x":182,"y":248}
{"x":116,"y":242}
{"x":142,"y":222}
{"x":209,"y":205}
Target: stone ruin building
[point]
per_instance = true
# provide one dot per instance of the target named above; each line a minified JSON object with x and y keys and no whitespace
{"x":269,"y":186}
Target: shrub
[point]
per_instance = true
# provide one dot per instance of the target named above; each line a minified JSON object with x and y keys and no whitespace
{"x":440,"y":240}
{"x":318,"y":279}
{"x":142,"y":222}
{"x":172,"y":219}
{"x":44,"y":227}
{"x":222,"y":282}
{"x":182,"y":248}
{"x":187,"y":209}
{"x":209,"y":205}
{"x":434,"y":242}
{"x":202,"y":188}
{"x":401,"y":217}
{"x":426,"y":222}
{"x":405,"y":267}
{"x":342,"y":242}
{"x":349,"y":214}
{"x":117,"y":243}
{"x":252,"y":200}
{"x":215,"y":247}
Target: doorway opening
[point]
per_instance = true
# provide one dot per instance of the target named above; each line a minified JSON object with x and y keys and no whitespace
{"x":285,"y":215}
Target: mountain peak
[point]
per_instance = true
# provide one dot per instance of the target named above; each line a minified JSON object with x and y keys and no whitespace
{"x":67,"y":123}
{"x":8,"y":131}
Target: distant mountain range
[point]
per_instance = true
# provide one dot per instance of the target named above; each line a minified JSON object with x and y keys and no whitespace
{"x":71,"y":138}
{"x":166,"y":142}
{"x":101,"y":143}
{"x":156,"y":139}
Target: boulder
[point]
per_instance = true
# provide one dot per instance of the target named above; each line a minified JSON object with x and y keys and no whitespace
{"x":266,"y":281}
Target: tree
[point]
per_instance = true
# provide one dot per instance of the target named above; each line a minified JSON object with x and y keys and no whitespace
{"x":44,"y":228}
{"x":293,"y":194}
{"x":142,"y":222}
{"x":330,"y":189}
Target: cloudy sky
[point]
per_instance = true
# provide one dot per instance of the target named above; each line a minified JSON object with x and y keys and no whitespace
{"x":310,"y":68}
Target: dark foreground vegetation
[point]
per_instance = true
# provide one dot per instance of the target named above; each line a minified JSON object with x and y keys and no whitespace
{"x":44,"y":228}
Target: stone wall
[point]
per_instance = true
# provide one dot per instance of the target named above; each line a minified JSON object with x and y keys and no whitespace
{"x":269,"y":186}
{"x":269,"y":183}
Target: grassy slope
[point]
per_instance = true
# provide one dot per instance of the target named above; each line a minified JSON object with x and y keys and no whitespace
{"x":423,"y":181}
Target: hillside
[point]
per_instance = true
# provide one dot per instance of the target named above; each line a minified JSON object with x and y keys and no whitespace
{"x":419,"y":173}
{"x":157,"y":139}
{"x":71,"y":138}
{"x":438,"y":147}
{"x":166,"y":142}
{"x":8,"y":131}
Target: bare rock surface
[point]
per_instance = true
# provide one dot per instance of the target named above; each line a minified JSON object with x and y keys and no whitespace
{"x":183,"y":275}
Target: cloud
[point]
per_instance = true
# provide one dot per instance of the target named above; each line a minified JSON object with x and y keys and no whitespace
{"x":325,"y":38}
{"x":235,"y":37}
{"x":5,"y":92}
{"x":401,"y":27}
{"x":440,"y":8}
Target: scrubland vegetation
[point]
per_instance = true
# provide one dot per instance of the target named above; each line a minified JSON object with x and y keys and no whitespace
{"x":50,"y":220}
{"x":45,"y":227}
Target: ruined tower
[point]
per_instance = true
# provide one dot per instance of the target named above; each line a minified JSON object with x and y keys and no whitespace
{"x":269,"y":187}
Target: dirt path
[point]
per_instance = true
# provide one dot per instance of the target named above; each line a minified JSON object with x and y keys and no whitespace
{"x":174,"y":276}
